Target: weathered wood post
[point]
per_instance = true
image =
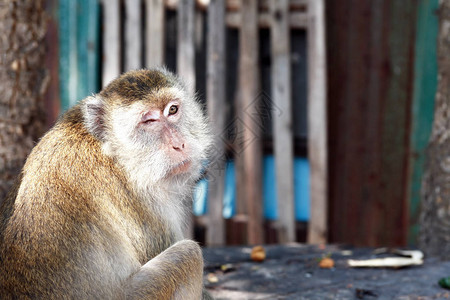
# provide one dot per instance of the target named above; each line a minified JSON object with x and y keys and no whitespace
{"x":317,"y":122}
{"x":282,"y":117}
{"x":249,"y":158}
{"x":215,"y":95}
{"x":155,"y":31}
{"x":111,"y":41}
{"x":133,"y":33}
{"x":186,"y":60}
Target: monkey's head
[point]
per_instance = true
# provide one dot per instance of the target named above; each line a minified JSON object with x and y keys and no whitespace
{"x":149,"y":124}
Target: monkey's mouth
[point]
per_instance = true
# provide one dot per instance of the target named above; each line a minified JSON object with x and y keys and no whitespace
{"x":182,"y":167}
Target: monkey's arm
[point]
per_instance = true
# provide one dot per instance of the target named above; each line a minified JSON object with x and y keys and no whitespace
{"x":176,"y":273}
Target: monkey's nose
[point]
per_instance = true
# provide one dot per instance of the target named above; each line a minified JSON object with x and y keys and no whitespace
{"x":178,"y":147}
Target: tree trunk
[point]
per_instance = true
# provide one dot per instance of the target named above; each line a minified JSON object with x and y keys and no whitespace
{"x":23,"y":83}
{"x":435,"y":211}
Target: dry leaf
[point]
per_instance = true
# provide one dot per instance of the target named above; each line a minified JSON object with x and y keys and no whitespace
{"x":326,"y":263}
{"x":258,"y":253}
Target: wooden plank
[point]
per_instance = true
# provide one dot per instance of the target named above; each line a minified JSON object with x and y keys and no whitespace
{"x":354,"y":165}
{"x":52,"y":96}
{"x":186,"y":43}
{"x":79,"y":32}
{"x":297,"y":20}
{"x":369,"y":120}
{"x":425,"y":85}
{"x":215,"y":95}
{"x":171,"y":4}
{"x":154,"y":33}
{"x":68,"y":57}
{"x":283,"y":135}
{"x":186,"y":60}
{"x":235,"y":5}
{"x":317,"y":122}
{"x":133,"y":35}
{"x":395,"y":124}
{"x":298,"y":17}
{"x":264,"y":5}
{"x":249,"y":157}
{"x":374,"y":87}
{"x":88,"y":35}
{"x":111,"y":51}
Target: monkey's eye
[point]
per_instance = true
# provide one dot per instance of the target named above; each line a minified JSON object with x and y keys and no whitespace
{"x":173,"y":110}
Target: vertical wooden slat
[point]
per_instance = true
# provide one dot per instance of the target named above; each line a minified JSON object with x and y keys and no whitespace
{"x":395,"y":123}
{"x":317,"y":122}
{"x":133,"y":35}
{"x":111,"y":41}
{"x":425,"y":85}
{"x":79,"y":33}
{"x":186,"y":60}
{"x":215,"y":95}
{"x":52,"y":96}
{"x":370,"y":93}
{"x":249,"y":157}
{"x":68,"y":53}
{"x":88,"y":26}
{"x":186,"y":46}
{"x":154,"y":33}
{"x":281,"y":96}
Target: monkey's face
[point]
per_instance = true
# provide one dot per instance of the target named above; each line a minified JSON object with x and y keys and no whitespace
{"x":160,"y":135}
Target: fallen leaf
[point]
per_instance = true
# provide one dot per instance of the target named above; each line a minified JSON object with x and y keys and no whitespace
{"x":326,"y":263}
{"x":258,"y":254}
{"x":227,"y":268}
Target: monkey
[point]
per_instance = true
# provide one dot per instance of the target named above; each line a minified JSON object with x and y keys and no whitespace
{"x":97,"y":211}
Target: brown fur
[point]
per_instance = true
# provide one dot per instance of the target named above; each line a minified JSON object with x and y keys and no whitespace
{"x":138,"y":85}
{"x":75,"y":227}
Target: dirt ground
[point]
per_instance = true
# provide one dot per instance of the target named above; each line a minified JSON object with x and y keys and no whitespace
{"x":293,"y":272}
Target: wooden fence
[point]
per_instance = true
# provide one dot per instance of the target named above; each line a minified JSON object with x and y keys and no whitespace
{"x":133,"y":36}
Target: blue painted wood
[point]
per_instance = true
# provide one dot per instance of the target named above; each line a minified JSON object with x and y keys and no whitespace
{"x":270,"y":188}
{"x":301,"y":191}
{"x":67,"y":52}
{"x":229,"y":199}
{"x":425,"y":86}
{"x":200,"y":205}
{"x":88,"y":40}
{"x":79,"y":40}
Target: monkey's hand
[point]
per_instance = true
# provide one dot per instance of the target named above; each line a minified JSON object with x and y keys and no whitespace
{"x":176,"y":273}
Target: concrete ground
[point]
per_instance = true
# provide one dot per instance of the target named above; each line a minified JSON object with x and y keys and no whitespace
{"x":293,"y":272}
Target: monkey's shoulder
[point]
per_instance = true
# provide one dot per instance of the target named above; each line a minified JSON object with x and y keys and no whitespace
{"x":67,"y":168}
{"x":68,"y":148}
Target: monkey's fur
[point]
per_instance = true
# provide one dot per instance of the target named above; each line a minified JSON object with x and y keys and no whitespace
{"x":97,"y":211}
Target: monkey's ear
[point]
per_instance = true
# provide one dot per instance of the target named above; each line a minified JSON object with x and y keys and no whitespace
{"x":94,"y":116}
